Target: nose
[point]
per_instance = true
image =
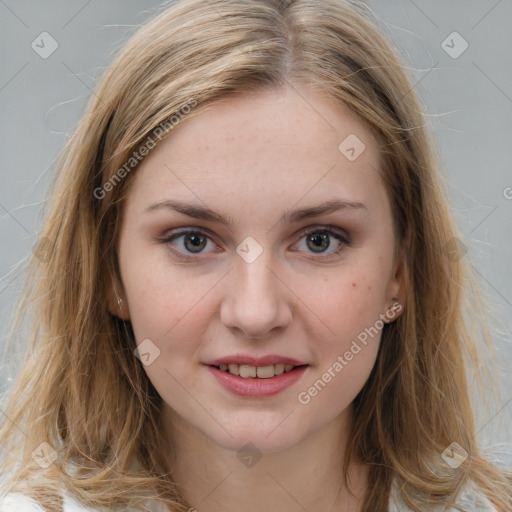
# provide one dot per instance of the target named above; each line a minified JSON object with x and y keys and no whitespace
{"x":257,"y":300}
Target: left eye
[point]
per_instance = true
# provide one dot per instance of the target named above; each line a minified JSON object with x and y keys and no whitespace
{"x":317,"y":240}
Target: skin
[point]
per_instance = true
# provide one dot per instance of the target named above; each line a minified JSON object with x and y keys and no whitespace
{"x":251,"y":159}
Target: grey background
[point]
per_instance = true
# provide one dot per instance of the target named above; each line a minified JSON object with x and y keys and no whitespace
{"x":468,"y":100}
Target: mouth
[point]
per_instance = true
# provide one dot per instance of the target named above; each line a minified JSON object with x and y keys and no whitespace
{"x":257,"y":372}
{"x":256,"y":382}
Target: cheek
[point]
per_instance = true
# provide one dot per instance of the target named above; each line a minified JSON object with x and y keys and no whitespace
{"x":166,"y":308}
{"x":350,"y":306}
{"x":162,"y":300}
{"x":348,"y":303}
{"x":167,"y":314}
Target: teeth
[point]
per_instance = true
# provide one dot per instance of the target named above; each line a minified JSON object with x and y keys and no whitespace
{"x":247,"y":371}
{"x":233,"y":368}
{"x":265,"y":372}
{"x":278,"y":369}
{"x":261,"y":372}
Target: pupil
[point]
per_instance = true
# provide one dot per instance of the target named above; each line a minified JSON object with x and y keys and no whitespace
{"x":320,"y":242}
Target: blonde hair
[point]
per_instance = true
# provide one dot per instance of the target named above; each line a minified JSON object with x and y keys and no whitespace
{"x":82,"y":391}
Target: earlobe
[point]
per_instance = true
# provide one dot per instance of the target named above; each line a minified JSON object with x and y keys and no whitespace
{"x":394,"y":311}
{"x":116,"y":300}
{"x":398,"y":288}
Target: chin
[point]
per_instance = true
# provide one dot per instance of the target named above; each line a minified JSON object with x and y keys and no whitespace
{"x":266,"y":438}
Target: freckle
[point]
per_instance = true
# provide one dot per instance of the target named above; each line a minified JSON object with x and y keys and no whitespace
{"x":369,"y":288}
{"x":354,"y":285}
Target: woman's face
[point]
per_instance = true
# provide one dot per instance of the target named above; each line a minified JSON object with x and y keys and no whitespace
{"x":268,"y":271}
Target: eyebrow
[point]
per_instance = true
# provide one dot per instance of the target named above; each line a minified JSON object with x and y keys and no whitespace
{"x":205,"y":213}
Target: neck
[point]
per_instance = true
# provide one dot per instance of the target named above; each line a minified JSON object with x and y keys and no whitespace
{"x":306,"y":476}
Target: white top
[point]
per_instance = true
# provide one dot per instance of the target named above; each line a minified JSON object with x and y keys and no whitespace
{"x":471,"y":499}
{"x":15,"y":502}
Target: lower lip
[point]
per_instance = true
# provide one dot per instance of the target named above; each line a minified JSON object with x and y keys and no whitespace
{"x":256,"y":387}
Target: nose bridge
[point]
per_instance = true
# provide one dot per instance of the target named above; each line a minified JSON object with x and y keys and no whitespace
{"x":257,"y":301}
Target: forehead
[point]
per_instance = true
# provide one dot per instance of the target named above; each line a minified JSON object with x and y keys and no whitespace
{"x":262,"y":147}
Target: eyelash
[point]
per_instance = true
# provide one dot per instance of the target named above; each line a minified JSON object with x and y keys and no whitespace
{"x":167,"y":239}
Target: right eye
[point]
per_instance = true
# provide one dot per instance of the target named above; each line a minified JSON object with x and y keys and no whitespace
{"x":193,"y":241}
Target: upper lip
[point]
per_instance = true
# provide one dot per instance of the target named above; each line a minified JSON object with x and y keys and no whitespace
{"x":249,"y":360}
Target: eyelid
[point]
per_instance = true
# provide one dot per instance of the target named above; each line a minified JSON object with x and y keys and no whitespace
{"x":326,"y":227}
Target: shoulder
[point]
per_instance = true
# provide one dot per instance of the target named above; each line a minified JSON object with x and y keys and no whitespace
{"x":473,"y":499}
{"x":23,"y":503}
{"x":470,"y":499}
{"x":18,"y":502}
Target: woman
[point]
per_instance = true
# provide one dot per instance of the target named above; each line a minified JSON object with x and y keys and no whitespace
{"x":248,"y":291}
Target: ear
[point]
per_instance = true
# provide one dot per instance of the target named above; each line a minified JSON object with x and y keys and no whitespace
{"x":397,"y":291}
{"x":116,"y":297}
